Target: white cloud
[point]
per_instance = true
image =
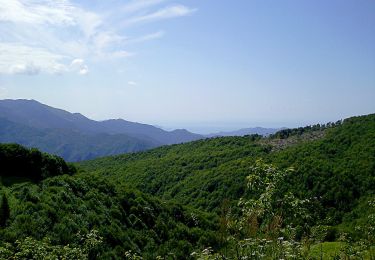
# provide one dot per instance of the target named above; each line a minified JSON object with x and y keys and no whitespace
{"x":79,"y":66}
{"x":20,"y":59}
{"x":77,"y":62}
{"x":36,"y":12}
{"x":44,"y":36}
{"x":40,"y":35}
{"x":165,"y":13}
{"x":28,"y":69}
{"x":132,"y":83}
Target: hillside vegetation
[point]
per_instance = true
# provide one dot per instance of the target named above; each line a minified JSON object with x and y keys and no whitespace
{"x":19,"y":163}
{"x":88,"y":215}
{"x":299,"y":194}
{"x":334,"y":163}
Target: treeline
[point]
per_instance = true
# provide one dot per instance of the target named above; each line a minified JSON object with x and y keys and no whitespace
{"x":285,"y":133}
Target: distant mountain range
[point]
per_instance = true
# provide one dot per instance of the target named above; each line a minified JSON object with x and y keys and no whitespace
{"x":76,"y":137}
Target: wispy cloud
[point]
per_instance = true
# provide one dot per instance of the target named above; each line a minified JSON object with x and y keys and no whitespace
{"x":145,"y":38}
{"x":164,"y":13}
{"x":51,"y":36}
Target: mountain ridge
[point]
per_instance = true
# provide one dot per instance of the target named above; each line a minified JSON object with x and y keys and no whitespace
{"x":76,"y":137}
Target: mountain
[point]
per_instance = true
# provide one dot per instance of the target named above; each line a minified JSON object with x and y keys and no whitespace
{"x":69,"y":144}
{"x":120,"y":126}
{"x":247,"y":131}
{"x":76,"y":137}
{"x":34,"y":114}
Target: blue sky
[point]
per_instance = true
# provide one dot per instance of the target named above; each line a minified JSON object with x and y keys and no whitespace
{"x":204,"y":65}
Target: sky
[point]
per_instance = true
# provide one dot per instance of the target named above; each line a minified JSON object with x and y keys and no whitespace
{"x":203,"y":65}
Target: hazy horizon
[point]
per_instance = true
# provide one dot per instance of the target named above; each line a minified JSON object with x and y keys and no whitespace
{"x":212,"y":127}
{"x":205,"y":66}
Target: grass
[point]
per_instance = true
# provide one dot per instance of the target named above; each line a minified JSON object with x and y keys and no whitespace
{"x":339,"y":250}
{"x":326,"y":250}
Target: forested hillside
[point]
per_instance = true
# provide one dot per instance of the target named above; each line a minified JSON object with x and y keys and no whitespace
{"x":334,"y":168}
{"x":205,"y":173}
{"x":88,"y":215}
{"x":301,"y":193}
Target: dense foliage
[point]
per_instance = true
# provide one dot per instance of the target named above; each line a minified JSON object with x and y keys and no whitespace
{"x":62,"y":208}
{"x":312,"y":190}
{"x":274,"y":225}
{"x":19,"y":162}
{"x":338,"y":169}
{"x":202,"y":174}
{"x":57,"y":215}
{"x":334,"y":164}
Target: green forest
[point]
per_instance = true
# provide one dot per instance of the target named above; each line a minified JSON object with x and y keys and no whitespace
{"x":304,"y":193}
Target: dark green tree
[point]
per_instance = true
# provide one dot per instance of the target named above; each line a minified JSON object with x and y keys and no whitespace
{"x":4,"y":211}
